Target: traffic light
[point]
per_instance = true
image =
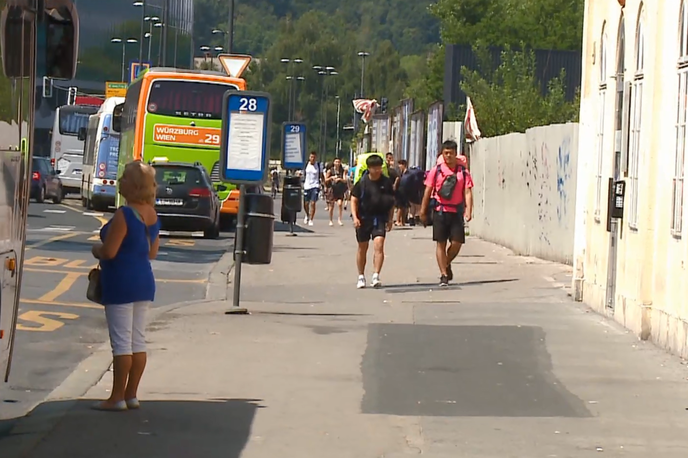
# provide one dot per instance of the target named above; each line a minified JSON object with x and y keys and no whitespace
{"x":71,"y":96}
{"x":383,"y":105}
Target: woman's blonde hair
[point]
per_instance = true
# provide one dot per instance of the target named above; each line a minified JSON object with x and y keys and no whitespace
{"x":137,"y":183}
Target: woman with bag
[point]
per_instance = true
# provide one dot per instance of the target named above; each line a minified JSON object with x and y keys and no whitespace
{"x":127,"y":285}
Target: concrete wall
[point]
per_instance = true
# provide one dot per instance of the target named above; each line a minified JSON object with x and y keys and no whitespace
{"x":525,"y":191}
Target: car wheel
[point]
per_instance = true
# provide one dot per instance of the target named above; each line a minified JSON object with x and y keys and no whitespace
{"x":213,"y":232}
{"x":40,"y":198}
{"x":59,"y":196}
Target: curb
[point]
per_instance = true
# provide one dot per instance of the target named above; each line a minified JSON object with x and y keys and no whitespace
{"x":44,"y":415}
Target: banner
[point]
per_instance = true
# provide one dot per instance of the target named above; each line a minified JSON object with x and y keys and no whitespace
{"x":406,"y":109}
{"x":434,"y":134}
{"x":417,"y":155}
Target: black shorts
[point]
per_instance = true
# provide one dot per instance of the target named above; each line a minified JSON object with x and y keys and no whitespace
{"x":371,"y":228}
{"x":448,"y":226}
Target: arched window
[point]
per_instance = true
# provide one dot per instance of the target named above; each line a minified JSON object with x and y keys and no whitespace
{"x":602,"y":96}
{"x":679,"y":164}
{"x":636,"y":113}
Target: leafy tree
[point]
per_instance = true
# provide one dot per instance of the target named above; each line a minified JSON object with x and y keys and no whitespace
{"x":508,"y":98}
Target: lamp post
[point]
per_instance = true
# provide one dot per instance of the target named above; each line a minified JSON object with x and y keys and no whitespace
{"x":292,"y":78}
{"x":206,"y":52}
{"x":124,"y":52}
{"x":324,"y":72}
{"x":363,"y":55}
{"x":151,"y":20}
{"x":224,"y":34}
{"x":161,"y":26}
{"x":142,"y":5}
{"x":338,"y":146}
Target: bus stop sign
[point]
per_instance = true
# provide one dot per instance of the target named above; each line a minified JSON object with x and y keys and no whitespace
{"x":293,"y":145}
{"x":246,"y":120}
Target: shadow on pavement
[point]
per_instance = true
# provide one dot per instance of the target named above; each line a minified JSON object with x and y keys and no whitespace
{"x":219,"y":428}
{"x":283,"y":227}
{"x":418,"y":287}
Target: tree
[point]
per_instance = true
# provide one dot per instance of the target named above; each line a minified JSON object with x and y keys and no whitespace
{"x":508,"y":98}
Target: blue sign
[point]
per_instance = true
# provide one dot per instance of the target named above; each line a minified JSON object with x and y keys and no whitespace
{"x":293,"y":145}
{"x":136,"y":68}
{"x":246,"y":120}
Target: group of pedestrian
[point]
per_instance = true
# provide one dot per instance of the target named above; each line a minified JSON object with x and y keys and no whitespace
{"x":446,"y":203}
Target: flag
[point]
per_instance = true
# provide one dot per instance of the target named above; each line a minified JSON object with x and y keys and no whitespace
{"x":366,"y":107}
{"x":470,"y":123}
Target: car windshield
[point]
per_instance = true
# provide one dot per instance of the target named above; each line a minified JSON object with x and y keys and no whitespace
{"x":171,"y":176}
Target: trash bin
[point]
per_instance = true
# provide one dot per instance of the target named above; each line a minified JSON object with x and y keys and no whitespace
{"x":260,"y":228}
{"x":292,"y":198}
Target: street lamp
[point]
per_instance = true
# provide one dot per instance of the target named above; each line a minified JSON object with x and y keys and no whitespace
{"x":324,"y":71}
{"x":124,"y":52}
{"x":142,"y":5}
{"x":151,"y":20}
{"x":160,"y":25}
{"x":292,"y":78}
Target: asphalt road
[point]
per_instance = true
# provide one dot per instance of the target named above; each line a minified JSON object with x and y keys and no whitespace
{"x":58,"y":326}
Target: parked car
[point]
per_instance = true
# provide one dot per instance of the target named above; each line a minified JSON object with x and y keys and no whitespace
{"x":45,"y":181}
{"x":186,"y":199}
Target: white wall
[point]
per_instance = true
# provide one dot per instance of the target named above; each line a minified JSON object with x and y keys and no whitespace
{"x":525,"y":191}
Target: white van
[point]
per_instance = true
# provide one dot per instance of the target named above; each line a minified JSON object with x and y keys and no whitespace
{"x":101,"y":153}
{"x":66,"y":149}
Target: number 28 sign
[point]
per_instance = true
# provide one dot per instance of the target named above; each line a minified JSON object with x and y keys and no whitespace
{"x":185,"y":135}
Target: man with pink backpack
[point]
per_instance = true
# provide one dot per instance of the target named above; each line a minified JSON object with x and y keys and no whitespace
{"x":448,"y":203}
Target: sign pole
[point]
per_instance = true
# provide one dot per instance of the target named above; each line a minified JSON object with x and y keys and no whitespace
{"x":239,"y":254}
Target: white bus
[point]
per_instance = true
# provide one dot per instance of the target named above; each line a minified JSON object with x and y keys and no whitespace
{"x":101,"y":153}
{"x":66,"y":149}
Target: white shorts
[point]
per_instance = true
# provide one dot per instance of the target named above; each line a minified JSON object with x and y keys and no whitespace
{"x":127,"y":326}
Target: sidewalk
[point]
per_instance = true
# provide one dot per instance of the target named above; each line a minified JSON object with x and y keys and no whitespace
{"x":502,"y":365}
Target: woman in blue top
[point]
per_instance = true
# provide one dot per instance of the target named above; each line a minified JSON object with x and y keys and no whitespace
{"x":130,"y":241}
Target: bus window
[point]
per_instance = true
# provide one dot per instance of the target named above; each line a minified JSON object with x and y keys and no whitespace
{"x":90,"y":143}
{"x":72,"y":121}
{"x":131,"y":105}
{"x":188,"y":99}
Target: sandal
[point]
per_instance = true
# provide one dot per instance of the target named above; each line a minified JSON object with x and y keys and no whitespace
{"x":133,"y":404}
{"x":119,"y":406}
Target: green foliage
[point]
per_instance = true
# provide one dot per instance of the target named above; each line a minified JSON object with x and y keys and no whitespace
{"x":508,"y":98}
{"x":539,"y":24}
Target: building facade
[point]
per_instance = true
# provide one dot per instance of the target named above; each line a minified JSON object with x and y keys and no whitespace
{"x":633,"y":130}
{"x":157,"y":31}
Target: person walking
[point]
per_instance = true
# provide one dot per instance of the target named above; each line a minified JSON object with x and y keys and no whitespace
{"x":449,"y":196}
{"x":129,"y":241}
{"x":312,"y":179}
{"x":402,"y":202}
{"x":372,"y":206}
{"x":336,"y":179}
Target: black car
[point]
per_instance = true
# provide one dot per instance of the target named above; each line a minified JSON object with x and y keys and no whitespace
{"x":45,"y":182}
{"x":186,"y":199}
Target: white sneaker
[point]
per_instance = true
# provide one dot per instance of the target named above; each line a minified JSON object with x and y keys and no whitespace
{"x":375,"y":282}
{"x":331,"y":223}
{"x":361,"y":282}
{"x":340,"y":223}
{"x":310,"y":223}
{"x":305,"y":220}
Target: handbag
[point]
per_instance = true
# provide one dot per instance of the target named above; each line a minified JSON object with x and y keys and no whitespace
{"x":94,"y":292}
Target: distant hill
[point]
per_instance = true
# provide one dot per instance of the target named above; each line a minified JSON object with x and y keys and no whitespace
{"x":406,"y":23}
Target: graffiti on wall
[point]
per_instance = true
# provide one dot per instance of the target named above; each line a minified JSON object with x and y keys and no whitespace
{"x":563,"y":176}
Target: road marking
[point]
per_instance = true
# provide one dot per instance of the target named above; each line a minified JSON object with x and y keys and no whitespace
{"x":180,"y":242}
{"x":57,"y":238}
{"x":84,"y":305}
{"x":81,"y":274}
{"x":44,"y":261}
{"x":98,"y":216}
{"x":65,"y":285}
{"x":46,"y":324}
{"x":78,"y":264}
{"x":94,"y":238}
{"x":54,"y":211}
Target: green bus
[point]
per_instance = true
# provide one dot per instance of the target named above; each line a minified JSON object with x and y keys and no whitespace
{"x":176,"y":115}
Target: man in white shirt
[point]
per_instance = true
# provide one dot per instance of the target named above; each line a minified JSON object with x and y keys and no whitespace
{"x":311,"y":187}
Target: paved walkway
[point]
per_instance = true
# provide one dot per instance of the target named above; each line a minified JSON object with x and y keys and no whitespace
{"x":501,"y":365}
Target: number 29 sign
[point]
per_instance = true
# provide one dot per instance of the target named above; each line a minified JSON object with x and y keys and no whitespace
{"x":245,"y":138}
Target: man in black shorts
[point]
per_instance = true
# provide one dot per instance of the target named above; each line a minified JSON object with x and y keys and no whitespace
{"x":449,"y":195}
{"x":372,"y":206}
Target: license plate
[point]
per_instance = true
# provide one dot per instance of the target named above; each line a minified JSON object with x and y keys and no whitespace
{"x":77,"y":172}
{"x":170,"y":202}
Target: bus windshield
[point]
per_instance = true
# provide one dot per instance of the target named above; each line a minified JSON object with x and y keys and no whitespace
{"x":73,"y":119}
{"x":188,"y":99}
